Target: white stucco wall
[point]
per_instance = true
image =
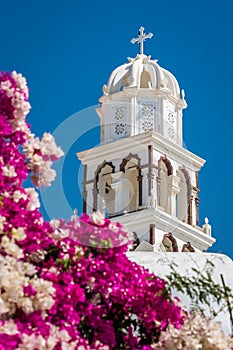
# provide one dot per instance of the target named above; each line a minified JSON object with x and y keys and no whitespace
{"x":159,"y":264}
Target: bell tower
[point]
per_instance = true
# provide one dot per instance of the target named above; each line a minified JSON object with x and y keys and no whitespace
{"x":141,"y":173}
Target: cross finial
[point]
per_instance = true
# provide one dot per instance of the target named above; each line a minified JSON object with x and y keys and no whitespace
{"x":141,"y":38}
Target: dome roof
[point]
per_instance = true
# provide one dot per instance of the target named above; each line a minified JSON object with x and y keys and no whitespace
{"x":143,"y":73}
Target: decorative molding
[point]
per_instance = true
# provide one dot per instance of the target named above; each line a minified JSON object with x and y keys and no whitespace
{"x":188,"y":248}
{"x":127,"y":159}
{"x":169,"y":242}
{"x":166,"y":222}
{"x":100,"y":167}
{"x":167,"y":163}
{"x":160,"y":143}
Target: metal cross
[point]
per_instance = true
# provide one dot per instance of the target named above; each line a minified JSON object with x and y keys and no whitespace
{"x":141,"y":38}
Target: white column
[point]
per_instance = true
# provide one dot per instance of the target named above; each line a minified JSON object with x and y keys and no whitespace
{"x":173,"y":190}
{"x":193,"y":212}
{"x":120,"y":192}
{"x":89,"y":198}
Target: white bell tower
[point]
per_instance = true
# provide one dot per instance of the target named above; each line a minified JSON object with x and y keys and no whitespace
{"x":141,"y":173}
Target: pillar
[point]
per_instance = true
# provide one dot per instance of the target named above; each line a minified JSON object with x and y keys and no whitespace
{"x":173,"y":190}
{"x":152,"y":234}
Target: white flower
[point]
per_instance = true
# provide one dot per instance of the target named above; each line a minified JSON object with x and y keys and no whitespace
{"x":9,"y":171}
{"x":18,"y":195}
{"x":20,"y":81}
{"x":3,"y":307}
{"x":49,"y":147}
{"x":34,"y":202}
{"x":59,"y":234}
{"x":9,"y":327}
{"x":198,"y":332}
{"x":2,"y":221}
{"x":11,"y":247}
{"x":45,"y":291}
{"x":41,"y":155}
{"x":18,"y":233}
{"x":14,"y":275}
{"x":5,"y":85}
{"x":97,"y":218}
{"x":26,"y":305}
{"x":31,"y":342}
{"x":29,"y":269}
{"x":113,"y":227}
{"x":55,"y":223}
{"x":22,"y":108}
{"x":47,"y":174}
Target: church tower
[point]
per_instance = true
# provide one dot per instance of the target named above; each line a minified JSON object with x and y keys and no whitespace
{"x":141,"y":173}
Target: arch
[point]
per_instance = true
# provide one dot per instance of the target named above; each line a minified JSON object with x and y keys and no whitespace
{"x":170,"y":243}
{"x":100,"y":167}
{"x":145,"y":79}
{"x":131,"y":168}
{"x":167,"y":163}
{"x":110,"y":168}
{"x":166,"y":170}
{"x":127,"y":159}
{"x":183,"y":199}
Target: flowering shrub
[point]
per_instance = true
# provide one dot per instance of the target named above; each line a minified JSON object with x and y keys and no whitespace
{"x":198,"y":332}
{"x":65,"y":285}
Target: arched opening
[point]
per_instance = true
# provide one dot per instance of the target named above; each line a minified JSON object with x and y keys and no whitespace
{"x":131,"y":185}
{"x":145,"y":81}
{"x":182,"y":199}
{"x":131,"y":190}
{"x":103,"y":194}
{"x":165,"y":171}
{"x":163,"y":187}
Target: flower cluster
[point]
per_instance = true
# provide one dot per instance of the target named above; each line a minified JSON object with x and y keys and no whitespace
{"x":65,"y":285}
{"x":197,"y":332}
{"x":41,"y":155}
{"x":21,"y":287}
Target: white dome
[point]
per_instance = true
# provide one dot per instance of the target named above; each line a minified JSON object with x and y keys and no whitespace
{"x":143,"y":73}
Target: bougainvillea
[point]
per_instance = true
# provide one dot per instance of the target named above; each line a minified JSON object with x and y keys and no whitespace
{"x":197,"y":332}
{"x":65,"y":285}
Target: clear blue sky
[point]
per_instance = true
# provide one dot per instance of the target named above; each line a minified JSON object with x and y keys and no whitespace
{"x":67,"y":49}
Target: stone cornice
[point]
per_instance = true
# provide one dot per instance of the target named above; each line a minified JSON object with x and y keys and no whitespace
{"x":146,"y":93}
{"x":167,"y":223}
{"x":107,"y":151}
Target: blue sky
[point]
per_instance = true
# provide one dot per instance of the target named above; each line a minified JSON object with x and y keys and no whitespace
{"x":67,"y":49}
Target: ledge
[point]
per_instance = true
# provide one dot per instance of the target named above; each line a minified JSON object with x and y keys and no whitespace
{"x":167,"y":223}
